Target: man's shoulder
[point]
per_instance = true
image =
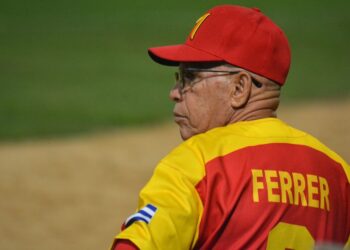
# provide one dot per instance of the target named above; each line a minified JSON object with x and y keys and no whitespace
{"x":259,"y":129}
{"x":193,"y":154}
{"x":238,"y":135}
{"x":223,"y":140}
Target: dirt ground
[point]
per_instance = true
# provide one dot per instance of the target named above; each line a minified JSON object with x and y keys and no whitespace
{"x":74,"y":193}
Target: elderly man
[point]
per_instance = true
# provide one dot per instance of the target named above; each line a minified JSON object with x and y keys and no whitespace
{"x":242,"y":179}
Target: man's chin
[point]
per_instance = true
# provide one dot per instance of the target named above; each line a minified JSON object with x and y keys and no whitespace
{"x":185,"y":132}
{"x":184,"y":137}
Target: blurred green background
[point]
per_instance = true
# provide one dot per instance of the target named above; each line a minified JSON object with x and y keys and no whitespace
{"x":78,"y":66}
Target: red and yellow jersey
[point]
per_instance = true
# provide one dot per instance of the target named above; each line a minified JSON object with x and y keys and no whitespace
{"x":250,"y":185}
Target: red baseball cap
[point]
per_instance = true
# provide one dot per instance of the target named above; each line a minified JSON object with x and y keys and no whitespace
{"x":240,"y":36}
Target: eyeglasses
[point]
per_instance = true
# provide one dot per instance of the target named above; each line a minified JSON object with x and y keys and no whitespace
{"x":187,"y":78}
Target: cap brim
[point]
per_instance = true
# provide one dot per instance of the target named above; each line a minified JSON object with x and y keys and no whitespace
{"x":174,"y":54}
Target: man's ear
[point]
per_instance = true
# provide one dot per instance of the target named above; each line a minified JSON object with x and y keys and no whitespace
{"x":241,"y":85}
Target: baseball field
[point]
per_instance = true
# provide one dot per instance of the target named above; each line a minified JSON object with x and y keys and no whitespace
{"x":84,"y":113}
{"x":74,"y":193}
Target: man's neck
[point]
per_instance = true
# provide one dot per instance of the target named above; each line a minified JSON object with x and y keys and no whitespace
{"x":260,"y":105}
{"x":254,"y":115}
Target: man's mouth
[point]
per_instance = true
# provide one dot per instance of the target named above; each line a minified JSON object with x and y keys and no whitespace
{"x":178,"y":118}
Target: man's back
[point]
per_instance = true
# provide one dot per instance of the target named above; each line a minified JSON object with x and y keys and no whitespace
{"x":255,"y":184}
{"x":276,"y":185}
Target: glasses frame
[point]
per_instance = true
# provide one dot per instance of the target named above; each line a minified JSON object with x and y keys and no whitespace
{"x":179,"y":78}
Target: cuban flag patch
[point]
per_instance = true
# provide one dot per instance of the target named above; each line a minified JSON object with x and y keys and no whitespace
{"x":145,"y":214}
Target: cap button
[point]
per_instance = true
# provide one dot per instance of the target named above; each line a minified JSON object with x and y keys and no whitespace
{"x":256,"y":9}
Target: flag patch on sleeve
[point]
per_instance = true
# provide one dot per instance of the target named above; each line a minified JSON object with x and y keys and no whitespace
{"x":145,"y":214}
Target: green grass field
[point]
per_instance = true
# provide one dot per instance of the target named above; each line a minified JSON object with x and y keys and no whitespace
{"x":77,"y":66}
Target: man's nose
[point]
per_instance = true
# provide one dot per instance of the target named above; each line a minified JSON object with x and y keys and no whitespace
{"x":175,"y":94}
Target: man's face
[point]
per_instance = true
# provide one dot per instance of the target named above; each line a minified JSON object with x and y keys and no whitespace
{"x":204,"y":102}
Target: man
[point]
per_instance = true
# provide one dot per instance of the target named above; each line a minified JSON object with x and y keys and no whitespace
{"x":242,"y":179}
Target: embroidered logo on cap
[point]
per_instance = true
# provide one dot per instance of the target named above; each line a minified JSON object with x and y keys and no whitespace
{"x":198,"y":24}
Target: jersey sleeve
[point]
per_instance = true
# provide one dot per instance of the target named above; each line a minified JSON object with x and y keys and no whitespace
{"x":124,"y":245}
{"x":169,"y":207}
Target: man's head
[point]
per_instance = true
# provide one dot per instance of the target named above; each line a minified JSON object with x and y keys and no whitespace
{"x":234,"y":60}
{"x":210,"y":95}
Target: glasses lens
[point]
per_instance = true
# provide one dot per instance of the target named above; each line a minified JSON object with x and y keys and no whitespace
{"x":178,"y":80}
{"x":188,"y":76}
{"x":177,"y":77}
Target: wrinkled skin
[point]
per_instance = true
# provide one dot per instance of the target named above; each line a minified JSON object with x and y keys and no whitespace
{"x":217,"y":101}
